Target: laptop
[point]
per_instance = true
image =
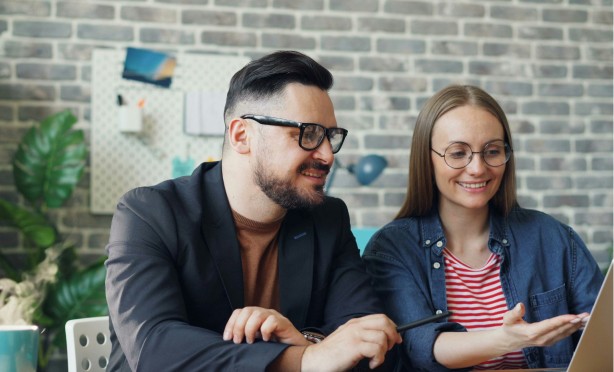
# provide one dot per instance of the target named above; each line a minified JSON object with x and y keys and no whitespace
{"x":594,"y":350}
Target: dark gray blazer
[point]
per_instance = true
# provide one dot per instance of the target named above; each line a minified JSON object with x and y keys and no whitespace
{"x":174,"y":276}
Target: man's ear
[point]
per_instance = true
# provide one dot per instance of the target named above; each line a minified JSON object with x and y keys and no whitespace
{"x":238,"y":136}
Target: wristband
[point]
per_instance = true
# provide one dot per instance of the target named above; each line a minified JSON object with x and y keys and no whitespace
{"x":314,"y":338}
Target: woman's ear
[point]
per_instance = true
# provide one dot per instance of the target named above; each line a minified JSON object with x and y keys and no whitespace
{"x":238,"y":137}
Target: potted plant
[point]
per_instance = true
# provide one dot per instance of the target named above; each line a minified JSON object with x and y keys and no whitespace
{"x":50,"y":287}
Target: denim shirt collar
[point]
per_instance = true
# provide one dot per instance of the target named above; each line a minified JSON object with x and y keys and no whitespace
{"x":434,"y":238}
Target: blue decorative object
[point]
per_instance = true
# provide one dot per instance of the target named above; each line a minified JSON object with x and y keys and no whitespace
{"x":367,"y":169}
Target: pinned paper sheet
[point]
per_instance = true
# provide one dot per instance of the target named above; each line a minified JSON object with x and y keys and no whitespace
{"x":204,"y":113}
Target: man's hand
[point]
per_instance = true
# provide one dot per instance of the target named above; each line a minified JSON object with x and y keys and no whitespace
{"x":253,"y":322}
{"x":544,"y":333}
{"x":370,"y":337}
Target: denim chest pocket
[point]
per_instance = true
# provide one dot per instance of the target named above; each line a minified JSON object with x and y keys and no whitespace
{"x":549,"y":304}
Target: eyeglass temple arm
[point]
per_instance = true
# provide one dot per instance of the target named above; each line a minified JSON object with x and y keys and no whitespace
{"x":277,"y":121}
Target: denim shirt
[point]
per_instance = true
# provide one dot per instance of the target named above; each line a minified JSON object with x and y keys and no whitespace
{"x":544,"y":265}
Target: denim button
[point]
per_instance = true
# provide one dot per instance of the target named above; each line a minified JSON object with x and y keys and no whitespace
{"x":504,"y":241}
{"x":437,"y":265}
{"x":438,"y":312}
{"x":427,"y":242}
{"x":439,"y":244}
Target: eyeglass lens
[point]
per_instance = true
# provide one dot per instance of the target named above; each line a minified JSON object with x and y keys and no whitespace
{"x":459,"y":155}
{"x":312,"y":135}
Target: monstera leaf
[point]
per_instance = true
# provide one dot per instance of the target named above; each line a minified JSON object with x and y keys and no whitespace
{"x":34,"y":226}
{"x":49,"y":161}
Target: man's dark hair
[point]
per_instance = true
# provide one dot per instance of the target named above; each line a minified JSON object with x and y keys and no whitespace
{"x":269,"y":75}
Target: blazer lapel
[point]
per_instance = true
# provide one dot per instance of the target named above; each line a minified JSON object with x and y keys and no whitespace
{"x":295,"y":262}
{"x":220,"y":234}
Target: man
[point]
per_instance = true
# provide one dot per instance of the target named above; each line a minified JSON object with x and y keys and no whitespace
{"x":246,"y":265}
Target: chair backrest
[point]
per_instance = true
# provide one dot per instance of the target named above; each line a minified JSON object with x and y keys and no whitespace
{"x":87,"y":344}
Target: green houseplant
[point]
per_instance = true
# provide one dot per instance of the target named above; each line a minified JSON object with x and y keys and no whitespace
{"x":49,"y":287}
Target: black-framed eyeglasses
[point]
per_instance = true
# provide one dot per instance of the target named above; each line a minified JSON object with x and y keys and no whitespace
{"x":311,"y":135}
{"x":459,"y":154}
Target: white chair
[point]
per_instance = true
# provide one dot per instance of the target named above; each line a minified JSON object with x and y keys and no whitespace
{"x":87,"y":344}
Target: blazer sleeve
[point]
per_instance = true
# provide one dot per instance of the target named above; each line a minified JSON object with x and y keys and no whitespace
{"x":146,"y":306}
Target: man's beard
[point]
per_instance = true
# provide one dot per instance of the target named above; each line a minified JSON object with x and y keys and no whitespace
{"x":282,"y":192}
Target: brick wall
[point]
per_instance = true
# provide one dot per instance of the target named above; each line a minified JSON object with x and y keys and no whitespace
{"x":549,"y":62}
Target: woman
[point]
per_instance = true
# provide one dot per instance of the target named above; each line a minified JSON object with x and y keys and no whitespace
{"x":519,"y":283}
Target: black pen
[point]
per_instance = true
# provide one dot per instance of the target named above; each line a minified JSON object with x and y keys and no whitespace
{"x":422,"y":321}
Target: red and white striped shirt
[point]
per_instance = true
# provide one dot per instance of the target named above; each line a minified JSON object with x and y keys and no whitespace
{"x":476,"y":301}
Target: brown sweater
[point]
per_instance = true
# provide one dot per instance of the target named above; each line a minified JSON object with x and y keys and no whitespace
{"x":259,"y":242}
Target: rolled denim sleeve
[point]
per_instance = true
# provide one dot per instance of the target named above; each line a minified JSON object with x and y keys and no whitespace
{"x":399,"y":268}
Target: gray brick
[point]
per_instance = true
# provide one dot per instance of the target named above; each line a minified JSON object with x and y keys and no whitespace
{"x":77,"y":51}
{"x":561,"y":217}
{"x":521,"y":126}
{"x":558,"y":53}
{"x":346,"y":43}
{"x":384,"y":103}
{"x":463,"y":10}
{"x":602,"y":17}
{"x":291,"y":41}
{"x":243,"y":3}
{"x":408,"y":7}
{"x":105,"y":32}
{"x":592,"y":71}
{"x":41,"y":71}
{"x":438,"y":66}
{"x":398,"y":122}
{"x":556,"y":201}
{"x":343,"y":103}
{"x":394,"y":199}
{"x":432,"y":27}
{"x":603,"y":236}
{"x":594,"y":145}
{"x":363,"y":199}
{"x":547,"y":146}
{"x":543,"y":1}
{"x":440,"y":83}
{"x":27,"y":49}
{"x":600,"y":90}
{"x":353,"y":83}
{"x":594,"y":183}
{"x":514,"y":13}
{"x":354,"y":5}
{"x":490,"y":30}
{"x":591,"y":2}
{"x":86,"y":219}
{"x":540,"y":33}
{"x":497,"y":68}
{"x":507,"y":50}
{"x":381,"y":25}
{"x":204,"y":17}
{"x":549,"y":182}
{"x":6,"y":113}
{"x":565,"y":15}
{"x":299,"y":4}
{"x":325,"y":23}
{"x":545,"y":108}
{"x":454,"y":48}
{"x":593,"y":108}
{"x":527,"y":201}
{"x":336,"y":63}
{"x":590,"y":35}
{"x":167,"y":36}
{"x":560,"y":90}
{"x":382,"y":64}
{"x":509,"y":88}
{"x":86,"y":73}
{"x":74,"y":9}
{"x":5,"y":70}
{"x":55,"y":30}
{"x":3,"y":26}
{"x":25,"y":7}
{"x":564,"y":163}
{"x":229,"y":38}
{"x":27,"y":92}
{"x":601,"y":126}
{"x":76,"y":93}
{"x":282,"y":21}
{"x":402,"y":46}
{"x":378,"y":141}
{"x":600,"y":54}
{"x":38,"y":113}
{"x":561,"y":127}
{"x":9,"y":239}
{"x":185,"y":2}
{"x":548,"y":71}
{"x":12,"y":134}
{"x":604,"y":163}
{"x":148,"y":14}
{"x":402,"y":84}
{"x":98,"y":240}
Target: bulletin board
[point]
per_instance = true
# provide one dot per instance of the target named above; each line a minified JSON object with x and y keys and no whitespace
{"x":162,"y":149}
